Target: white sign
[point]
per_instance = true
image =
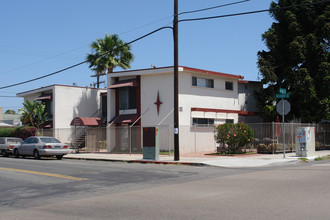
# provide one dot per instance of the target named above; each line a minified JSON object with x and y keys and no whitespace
{"x":279,"y":107}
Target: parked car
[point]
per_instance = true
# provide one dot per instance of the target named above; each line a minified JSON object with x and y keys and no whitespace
{"x":7,"y":145}
{"x":38,"y":146}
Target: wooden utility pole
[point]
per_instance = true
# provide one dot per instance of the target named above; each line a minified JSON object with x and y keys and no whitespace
{"x":176,"y":82}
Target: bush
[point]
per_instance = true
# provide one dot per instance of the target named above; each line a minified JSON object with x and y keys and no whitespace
{"x":20,"y":132}
{"x":233,"y":137}
{"x":273,"y":148}
{"x":7,"y":132}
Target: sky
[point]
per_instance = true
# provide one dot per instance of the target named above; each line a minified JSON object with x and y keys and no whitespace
{"x":39,"y":37}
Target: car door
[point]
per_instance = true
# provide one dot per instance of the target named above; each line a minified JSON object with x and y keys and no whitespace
{"x":23,"y":148}
{"x":2,"y":143}
{"x":31,"y":146}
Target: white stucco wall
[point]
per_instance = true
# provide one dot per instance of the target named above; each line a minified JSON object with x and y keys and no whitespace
{"x":70,"y":102}
{"x":192,"y":139}
{"x":210,"y":98}
{"x":150,"y":86}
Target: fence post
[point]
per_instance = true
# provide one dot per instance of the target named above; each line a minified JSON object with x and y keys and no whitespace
{"x":130,"y":140}
{"x":195,"y":140}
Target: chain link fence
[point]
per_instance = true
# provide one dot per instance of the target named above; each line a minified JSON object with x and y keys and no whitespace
{"x":193,"y":139}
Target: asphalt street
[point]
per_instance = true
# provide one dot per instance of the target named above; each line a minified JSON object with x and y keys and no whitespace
{"x":75,"y":189}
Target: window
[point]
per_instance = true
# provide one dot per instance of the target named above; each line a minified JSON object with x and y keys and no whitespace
{"x":2,"y":141}
{"x":203,"y":122}
{"x":231,"y":121}
{"x":127,"y":98}
{"x":202,"y":82}
{"x":229,"y":85}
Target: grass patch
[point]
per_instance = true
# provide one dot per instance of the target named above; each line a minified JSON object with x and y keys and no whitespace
{"x":227,"y":154}
{"x":305,"y":160}
{"x":166,"y":152}
{"x":323,"y":158}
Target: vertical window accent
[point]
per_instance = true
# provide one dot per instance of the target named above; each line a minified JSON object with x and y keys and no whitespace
{"x":127,"y":98}
{"x":202,"y":82}
{"x":229,"y":85}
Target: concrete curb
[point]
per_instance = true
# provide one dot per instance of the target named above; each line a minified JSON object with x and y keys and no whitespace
{"x":140,"y":161}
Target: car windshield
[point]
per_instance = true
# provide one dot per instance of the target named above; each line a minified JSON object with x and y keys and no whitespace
{"x":14,"y":141}
{"x":49,"y":140}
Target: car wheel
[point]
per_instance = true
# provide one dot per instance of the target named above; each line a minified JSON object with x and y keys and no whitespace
{"x":4,"y":153}
{"x":36,"y":154}
{"x":59,"y":157}
{"x":16,"y":153}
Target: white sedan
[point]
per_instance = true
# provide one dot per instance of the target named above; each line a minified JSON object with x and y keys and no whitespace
{"x":38,"y":146}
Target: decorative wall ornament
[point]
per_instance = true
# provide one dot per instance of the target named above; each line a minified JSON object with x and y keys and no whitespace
{"x":158,"y":103}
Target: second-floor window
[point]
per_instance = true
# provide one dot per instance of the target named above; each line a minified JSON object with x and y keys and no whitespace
{"x":202,"y":82}
{"x":127,"y":98}
{"x":229,"y":86}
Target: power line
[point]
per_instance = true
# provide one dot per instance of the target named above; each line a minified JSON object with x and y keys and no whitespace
{"x":253,"y":12}
{"x":139,"y":27}
{"x":78,"y":64}
{"x":214,"y":7}
{"x":166,"y":27}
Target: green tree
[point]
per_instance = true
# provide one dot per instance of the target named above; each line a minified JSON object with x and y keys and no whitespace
{"x":233,"y":137}
{"x":33,"y":114}
{"x":297,"y":60}
{"x":10,"y":111}
{"x":107,"y":53}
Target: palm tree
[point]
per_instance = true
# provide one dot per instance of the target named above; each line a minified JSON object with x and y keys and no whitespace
{"x":107,"y":53}
{"x":33,"y":114}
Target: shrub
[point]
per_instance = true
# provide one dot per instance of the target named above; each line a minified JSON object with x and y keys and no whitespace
{"x":233,"y":137}
{"x":20,"y":132}
{"x":25,"y":132}
{"x":7,"y":132}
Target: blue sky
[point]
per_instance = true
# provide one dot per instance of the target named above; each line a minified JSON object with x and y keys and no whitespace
{"x":39,"y":37}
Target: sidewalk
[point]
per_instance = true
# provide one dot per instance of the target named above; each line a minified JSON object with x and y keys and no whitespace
{"x":255,"y":160}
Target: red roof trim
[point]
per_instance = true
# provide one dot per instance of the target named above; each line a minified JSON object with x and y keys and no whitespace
{"x":53,"y":86}
{"x":188,"y":69}
{"x":136,"y":70}
{"x":213,"y":73}
{"x":245,"y":113}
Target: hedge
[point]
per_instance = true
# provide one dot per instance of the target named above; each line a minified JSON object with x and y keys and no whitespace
{"x":20,"y":132}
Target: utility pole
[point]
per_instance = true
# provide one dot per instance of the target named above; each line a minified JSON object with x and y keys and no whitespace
{"x":176,"y":81}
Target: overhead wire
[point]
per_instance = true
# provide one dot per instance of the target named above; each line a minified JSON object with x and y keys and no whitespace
{"x":214,"y":7}
{"x":78,"y":64}
{"x":252,"y":12}
{"x":169,"y":27}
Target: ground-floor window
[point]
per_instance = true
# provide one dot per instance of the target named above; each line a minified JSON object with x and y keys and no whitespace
{"x":230,"y":121}
{"x":203,"y":122}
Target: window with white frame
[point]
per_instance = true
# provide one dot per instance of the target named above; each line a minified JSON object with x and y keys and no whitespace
{"x":202,"y":82}
{"x":203,"y":122}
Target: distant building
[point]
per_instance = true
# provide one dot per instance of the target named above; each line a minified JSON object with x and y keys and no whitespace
{"x":13,"y":120}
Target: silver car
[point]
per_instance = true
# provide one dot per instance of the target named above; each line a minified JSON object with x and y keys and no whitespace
{"x":38,"y":146}
{"x":7,"y":145}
